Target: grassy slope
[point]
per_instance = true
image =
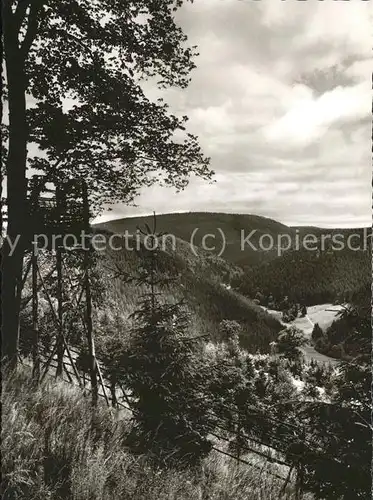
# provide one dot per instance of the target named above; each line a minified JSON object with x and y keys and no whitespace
{"x":198,"y":281}
{"x":53,"y":448}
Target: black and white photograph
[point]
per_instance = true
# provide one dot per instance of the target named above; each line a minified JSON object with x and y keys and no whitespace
{"x":186,"y":250}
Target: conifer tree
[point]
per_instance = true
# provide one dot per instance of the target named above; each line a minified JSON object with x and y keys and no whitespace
{"x":171,"y":415}
{"x":317,"y":333}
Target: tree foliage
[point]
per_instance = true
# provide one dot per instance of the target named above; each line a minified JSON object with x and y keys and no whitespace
{"x":73,"y":84}
{"x":306,"y":277}
{"x":91,"y":115}
{"x":171,"y":420}
{"x":349,"y":336}
{"x":341,"y":466}
{"x":289,"y":342}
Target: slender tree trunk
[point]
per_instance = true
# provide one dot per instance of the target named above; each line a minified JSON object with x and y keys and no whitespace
{"x":91,"y":345}
{"x":88,"y":298}
{"x":12,"y":261}
{"x":60,"y":332}
{"x":35,"y":320}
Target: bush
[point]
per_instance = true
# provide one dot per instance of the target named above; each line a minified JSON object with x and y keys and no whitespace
{"x":336,"y":351}
{"x":289,"y":342}
{"x":341,"y":468}
{"x":322,"y":345}
{"x":318,"y":374}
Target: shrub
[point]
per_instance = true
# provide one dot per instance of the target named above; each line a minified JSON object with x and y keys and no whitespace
{"x":322,"y":345}
{"x":289,"y":342}
{"x":336,"y":351}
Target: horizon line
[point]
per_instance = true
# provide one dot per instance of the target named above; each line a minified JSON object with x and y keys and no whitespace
{"x":292,"y":224}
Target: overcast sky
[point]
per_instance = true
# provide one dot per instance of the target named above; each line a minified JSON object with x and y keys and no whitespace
{"x":281,"y":102}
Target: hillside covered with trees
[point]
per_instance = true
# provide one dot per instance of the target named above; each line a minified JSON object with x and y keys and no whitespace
{"x":154,"y":373}
{"x":309,"y":277}
{"x":235,"y":228}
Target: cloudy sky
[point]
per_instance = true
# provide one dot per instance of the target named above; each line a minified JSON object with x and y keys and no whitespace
{"x":281,"y":102}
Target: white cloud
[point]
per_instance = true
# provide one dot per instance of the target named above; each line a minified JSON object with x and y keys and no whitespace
{"x":281,"y":101}
{"x":309,"y":118}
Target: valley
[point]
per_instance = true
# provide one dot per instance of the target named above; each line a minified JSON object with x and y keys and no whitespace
{"x":323,"y":281}
{"x":323,"y":315}
{"x":186,"y":250}
{"x":176,"y":335}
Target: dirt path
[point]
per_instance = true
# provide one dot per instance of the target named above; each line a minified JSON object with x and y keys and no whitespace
{"x":324,"y":315}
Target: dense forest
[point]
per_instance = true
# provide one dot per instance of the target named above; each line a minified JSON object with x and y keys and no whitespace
{"x":309,"y":277}
{"x":234,"y":228}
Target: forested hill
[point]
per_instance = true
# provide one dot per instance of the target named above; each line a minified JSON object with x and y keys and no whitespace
{"x":196,"y":279}
{"x":236,"y":229}
{"x":310,"y":277}
{"x":233,"y":226}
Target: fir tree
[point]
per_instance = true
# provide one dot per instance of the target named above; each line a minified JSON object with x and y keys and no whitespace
{"x":171,"y":416}
{"x":317,"y":333}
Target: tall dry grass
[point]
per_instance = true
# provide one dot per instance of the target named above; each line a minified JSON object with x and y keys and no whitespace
{"x":54,"y":448}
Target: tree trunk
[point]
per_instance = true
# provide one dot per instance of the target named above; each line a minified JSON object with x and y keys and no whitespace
{"x":12,"y":261}
{"x":88,"y":298}
{"x":35,"y":322}
{"x":60,"y":332}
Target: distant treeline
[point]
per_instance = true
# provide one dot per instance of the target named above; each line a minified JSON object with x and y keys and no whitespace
{"x":309,"y":277}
